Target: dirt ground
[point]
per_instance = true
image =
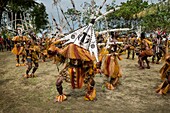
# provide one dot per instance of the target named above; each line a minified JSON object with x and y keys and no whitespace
{"x":135,"y":94}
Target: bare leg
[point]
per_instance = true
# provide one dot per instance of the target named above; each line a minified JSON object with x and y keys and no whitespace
{"x":91,"y":92}
{"x":17,"y":58}
{"x":23,"y":60}
{"x":61,"y":97}
{"x":141,"y":63}
{"x":147,"y":62}
{"x":115,"y":82}
{"x":158,"y":57}
{"x":59,"y":86}
{"x":128,"y":54}
{"x":153,"y":58}
{"x":133,"y":54}
{"x":28,"y":69}
{"x":35,"y":68}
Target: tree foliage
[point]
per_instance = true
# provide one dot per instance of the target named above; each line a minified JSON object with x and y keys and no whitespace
{"x":40,"y":17}
{"x":131,"y":12}
{"x":88,"y":12}
{"x":21,"y":7}
{"x":73,"y":15}
{"x":149,"y":16}
{"x":131,"y":7}
{"x":126,"y":11}
{"x":161,"y":17}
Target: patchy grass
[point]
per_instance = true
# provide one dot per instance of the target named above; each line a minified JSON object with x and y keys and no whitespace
{"x":136,"y":92}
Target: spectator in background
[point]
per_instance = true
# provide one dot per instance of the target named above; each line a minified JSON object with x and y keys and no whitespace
{"x":1,"y":43}
{"x":8,"y":44}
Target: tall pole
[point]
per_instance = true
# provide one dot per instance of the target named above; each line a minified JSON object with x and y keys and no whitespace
{"x":58,"y":15}
{"x":25,"y":21}
{"x":73,"y":4}
{"x":21,"y":21}
{"x":12,"y":18}
{"x":65,"y":18}
{"x":15,"y":21}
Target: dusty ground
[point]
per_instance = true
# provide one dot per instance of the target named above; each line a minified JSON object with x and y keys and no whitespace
{"x":135,"y":94}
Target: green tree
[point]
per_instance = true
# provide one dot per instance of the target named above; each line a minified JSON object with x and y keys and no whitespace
{"x":23,"y":7}
{"x":15,"y":6}
{"x":127,"y":11}
{"x":160,"y":17}
{"x":88,"y":11}
{"x":40,"y":17}
{"x":73,"y":15}
{"x":3,"y":4}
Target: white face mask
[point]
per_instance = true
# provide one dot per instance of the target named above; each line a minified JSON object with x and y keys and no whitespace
{"x":19,"y":32}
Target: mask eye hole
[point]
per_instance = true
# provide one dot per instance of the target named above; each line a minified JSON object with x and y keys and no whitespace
{"x":73,"y":36}
{"x":92,"y":46}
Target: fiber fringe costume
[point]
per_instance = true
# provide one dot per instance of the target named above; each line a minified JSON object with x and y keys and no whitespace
{"x":111,"y":69}
{"x":19,"y":49}
{"x":157,"y":43}
{"x":32,"y":57}
{"x":78,"y":70}
{"x":109,"y":65}
{"x":80,"y":53}
{"x":145,"y":52}
{"x":165,"y":76}
{"x":130,"y":47}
